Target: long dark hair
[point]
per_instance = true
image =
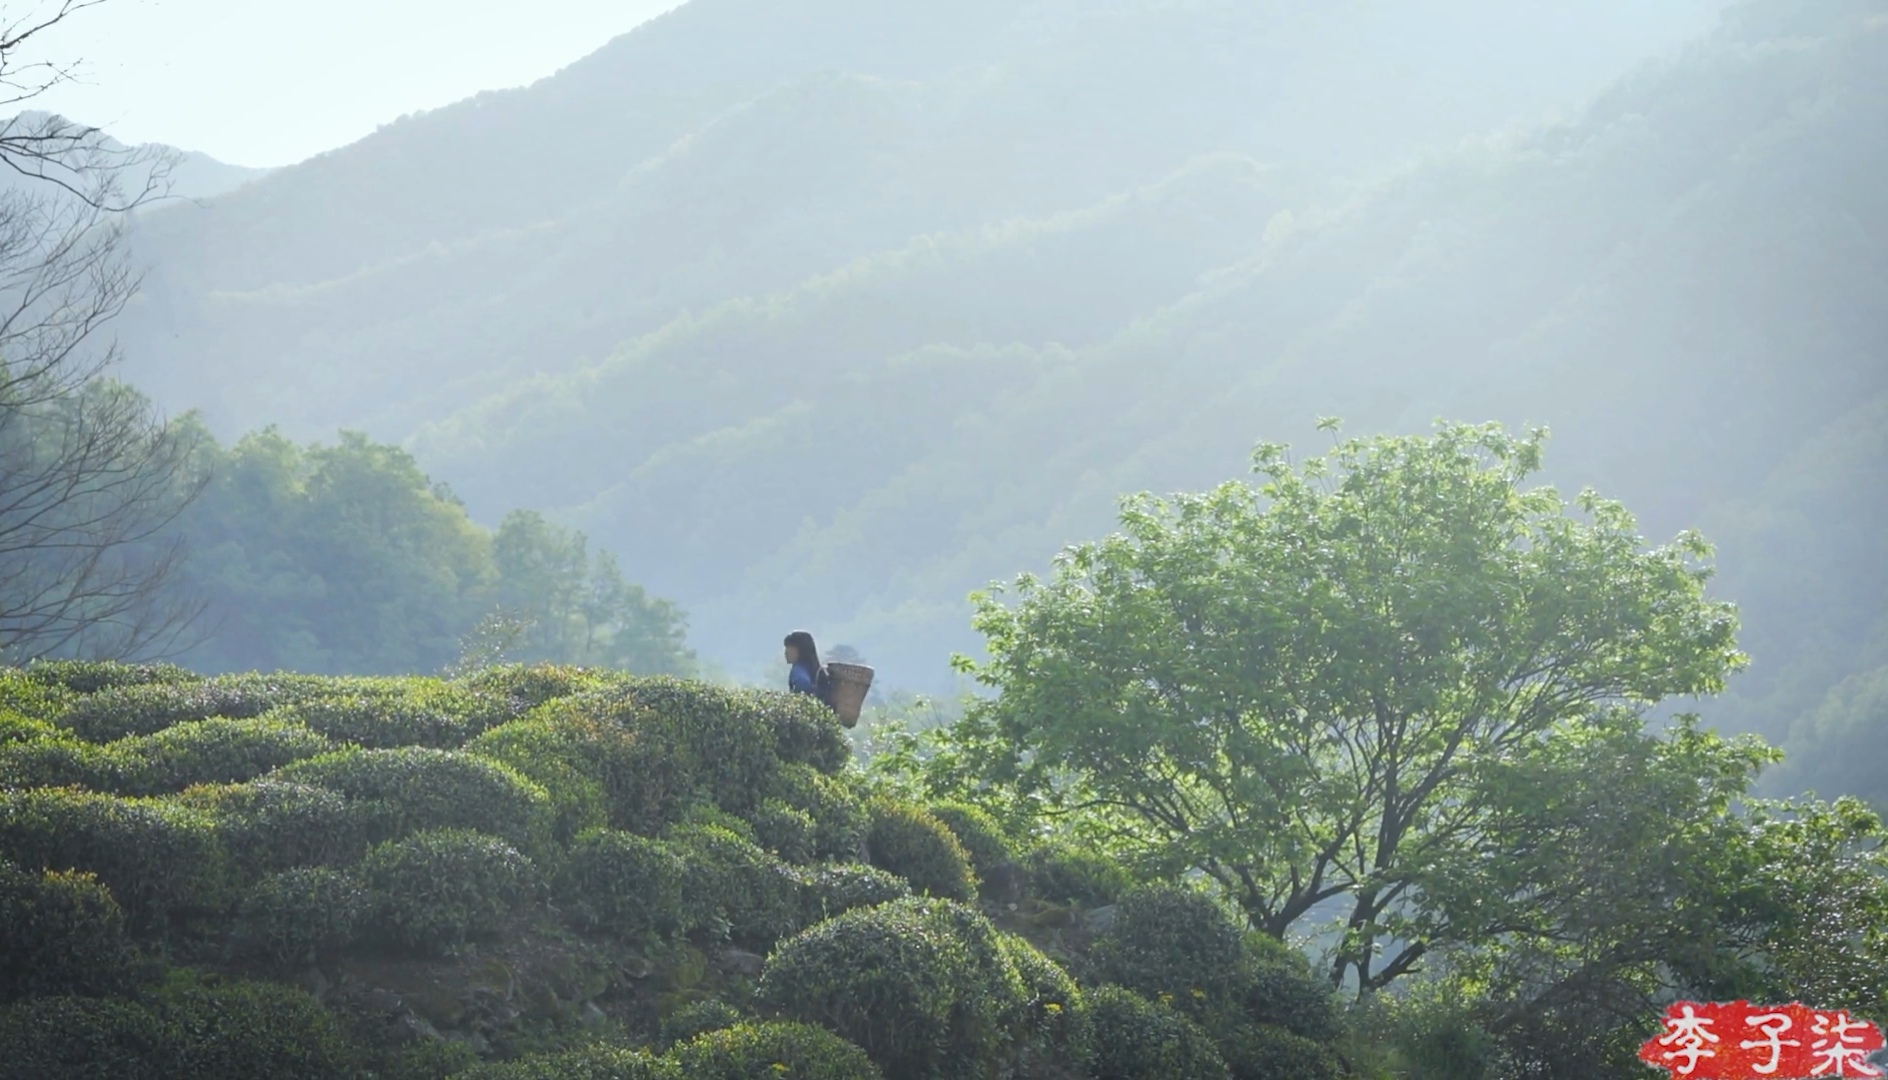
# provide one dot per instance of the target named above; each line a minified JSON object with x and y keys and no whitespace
{"x":802,"y":642}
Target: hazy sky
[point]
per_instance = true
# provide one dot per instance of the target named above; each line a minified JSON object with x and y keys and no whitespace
{"x":270,"y":82}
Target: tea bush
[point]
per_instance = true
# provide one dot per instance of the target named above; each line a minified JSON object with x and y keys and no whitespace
{"x":697,"y":1018}
{"x":155,"y":857}
{"x":600,"y":1062}
{"x":61,"y":761}
{"x":1284,"y":991}
{"x":1052,"y":1025}
{"x":91,"y":676}
{"x":440,"y":888}
{"x":917,"y":847}
{"x":1176,"y":941}
{"x":189,"y":1030}
{"x":979,"y":834}
{"x":628,"y":885}
{"x":1264,"y":1051}
{"x":300,"y":916}
{"x":837,"y":888}
{"x":771,"y":1049}
{"x":791,"y":727}
{"x":580,"y":765}
{"x":388,"y":713}
{"x":17,"y":727}
{"x":146,"y":708}
{"x":25,"y":697}
{"x":728,"y":878}
{"x":268,"y":825}
{"x":785,"y":831}
{"x":60,"y":933}
{"x":838,"y":814}
{"x":215,"y":751}
{"x":420,"y":788}
{"x":1137,"y":1039}
{"x":526,"y":686}
{"x":1066,"y":874}
{"x":924,"y":986}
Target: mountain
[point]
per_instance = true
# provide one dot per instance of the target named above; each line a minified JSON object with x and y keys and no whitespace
{"x":823,"y":314}
{"x":193,"y":175}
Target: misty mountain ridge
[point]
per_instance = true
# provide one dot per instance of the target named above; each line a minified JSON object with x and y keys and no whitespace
{"x":989,"y":268}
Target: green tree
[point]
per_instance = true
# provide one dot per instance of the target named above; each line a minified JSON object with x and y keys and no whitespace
{"x":1312,"y":689}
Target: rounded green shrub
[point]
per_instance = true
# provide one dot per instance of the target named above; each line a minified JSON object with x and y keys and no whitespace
{"x":82,"y":1038}
{"x":24,"y":697}
{"x":63,"y":761}
{"x":838,"y":813}
{"x":601,"y":1062}
{"x":60,"y":933}
{"x":17,"y":727}
{"x":696,"y":1018}
{"x":979,"y":834}
{"x":300,"y":916}
{"x":1052,"y":1024}
{"x":1176,"y":941}
{"x":917,"y":847}
{"x":837,"y":888}
{"x":1285,"y":992}
{"x":443,"y":887}
{"x":729,"y":879}
{"x":268,"y":825}
{"x":91,"y":676}
{"x":1063,"y":873}
{"x":155,"y":856}
{"x":1137,"y":1039}
{"x":215,"y":751}
{"x":790,"y":727}
{"x":388,"y":713}
{"x":785,"y":831}
{"x":189,"y":1030}
{"x":143,"y":709}
{"x":627,"y":885}
{"x":1263,"y":1051}
{"x":593,"y":766}
{"x":777,"y":1049}
{"x":924,"y":986}
{"x":526,"y":686}
{"x":419,"y":788}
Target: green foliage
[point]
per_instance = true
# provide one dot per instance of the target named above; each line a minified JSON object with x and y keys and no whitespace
{"x":24,"y":697}
{"x":836,"y":888}
{"x":18,"y":728}
{"x":771,"y":1049}
{"x":1064,"y":873}
{"x":60,"y":933}
{"x":911,"y":843}
{"x":839,"y":815}
{"x":156,"y":857}
{"x":443,"y":887}
{"x":389,"y":713}
{"x":628,"y":885}
{"x":526,"y":686}
{"x":730,"y":881}
{"x":1434,"y":1035}
{"x":269,"y":824}
{"x":190,"y":1030}
{"x":59,"y":760}
{"x":143,"y":709}
{"x":1285,"y":992}
{"x":786,"y":831}
{"x":417,"y":788}
{"x":1265,"y":1052}
{"x":1052,"y":1028}
{"x":925,"y":986}
{"x":215,"y":751}
{"x":91,"y":676}
{"x":1174,"y":943}
{"x":600,"y":1062}
{"x":1402,"y":603}
{"x":1137,"y":1039}
{"x":588,"y":766}
{"x":697,"y":1018}
{"x":301,"y":916}
{"x":979,"y":834}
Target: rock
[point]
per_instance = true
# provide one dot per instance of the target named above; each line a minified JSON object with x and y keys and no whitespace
{"x":1099,"y":920}
{"x":741,"y":962}
{"x":384,"y":1001}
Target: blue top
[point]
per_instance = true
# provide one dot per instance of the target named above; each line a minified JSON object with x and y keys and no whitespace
{"x":802,"y":678}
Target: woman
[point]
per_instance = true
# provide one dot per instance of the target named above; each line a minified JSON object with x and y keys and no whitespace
{"x":805,"y":676}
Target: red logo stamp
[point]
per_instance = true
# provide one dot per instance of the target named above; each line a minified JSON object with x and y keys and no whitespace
{"x":1741,"y":1041}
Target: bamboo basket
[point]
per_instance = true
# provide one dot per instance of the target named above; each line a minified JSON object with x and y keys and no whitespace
{"x":849,"y":684}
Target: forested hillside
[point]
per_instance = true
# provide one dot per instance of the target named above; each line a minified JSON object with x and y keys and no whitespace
{"x":871,"y":309}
